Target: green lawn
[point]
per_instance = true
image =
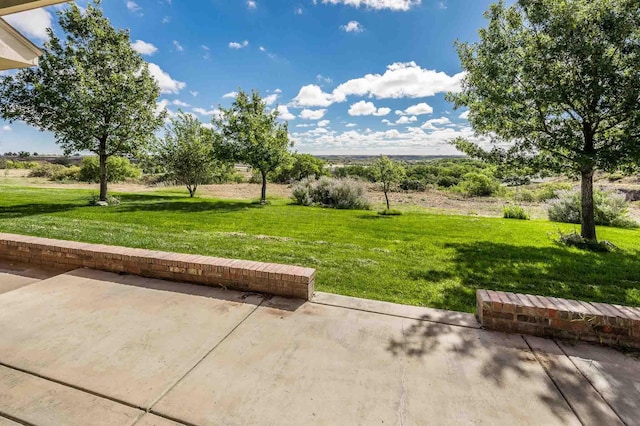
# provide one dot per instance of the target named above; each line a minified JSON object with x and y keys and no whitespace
{"x":418,"y":258}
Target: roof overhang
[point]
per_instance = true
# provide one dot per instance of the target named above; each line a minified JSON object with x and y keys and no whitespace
{"x":16,"y":51}
{"x":15,"y":6}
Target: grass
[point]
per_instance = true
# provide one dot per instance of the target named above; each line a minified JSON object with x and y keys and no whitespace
{"x":417,"y":258}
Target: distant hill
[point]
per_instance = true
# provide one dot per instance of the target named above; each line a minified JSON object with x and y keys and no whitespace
{"x":360,"y":159}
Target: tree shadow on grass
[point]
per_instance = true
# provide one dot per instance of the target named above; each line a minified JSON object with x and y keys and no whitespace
{"x":25,"y":210}
{"x":186,"y":206}
{"x":137,"y":197}
{"x":548,"y":271}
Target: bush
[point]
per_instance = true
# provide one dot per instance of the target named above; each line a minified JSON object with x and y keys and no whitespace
{"x":525,"y":195}
{"x":549,"y":191}
{"x":46,"y":170}
{"x":477,"y":185}
{"x":413,"y":185}
{"x":119,"y":169}
{"x":447,"y":181}
{"x":611,"y":209}
{"x":515,"y":212}
{"x":67,"y":174}
{"x":329,"y":192}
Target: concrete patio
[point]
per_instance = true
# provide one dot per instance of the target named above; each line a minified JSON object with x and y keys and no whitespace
{"x":88,"y":347}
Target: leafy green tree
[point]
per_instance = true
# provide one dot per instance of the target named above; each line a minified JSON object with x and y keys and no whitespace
{"x":388,"y":173}
{"x":555,"y":85}
{"x":93,"y":91}
{"x":187,"y":152}
{"x":301,"y":166}
{"x":251,"y":134}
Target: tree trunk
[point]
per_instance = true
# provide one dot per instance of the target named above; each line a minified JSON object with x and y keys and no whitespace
{"x":386,"y":197}
{"x":103,"y":176}
{"x":587,"y":219}
{"x":263,"y":197}
{"x":192,"y":191}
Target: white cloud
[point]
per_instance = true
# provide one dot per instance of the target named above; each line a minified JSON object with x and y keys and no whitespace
{"x":178,"y":46}
{"x":230,"y":95}
{"x":310,"y":114}
{"x":32,"y":23}
{"x":431,"y":124}
{"x":298,"y":11}
{"x":251,"y":4}
{"x":271,"y":99}
{"x":277,"y":91}
{"x":312,"y":95}
{"x":166,"y":83}
{"x":464,"y":115}
{"x":284,"y":114}
{"x":323,"y":79}
{"x":178,"y":102}
{"x":211,"y":112}
{"x":352,"y":27}
{"x":144,"y":48}
{"x":194,"y":93}
{"x":418,"y":109}
{"x":6,"y":128}
{"x":166,"y":19}
{"x":351,"y":125}
{"x":323,"y":123}
{"x":133,"y":6}
{"x":367,"y":108}
{"x":236,"y":45}
{"x":410,"y":140}
{"x":406,"y":120}
{"x":399,"y":5}
{"x":400,"y":80}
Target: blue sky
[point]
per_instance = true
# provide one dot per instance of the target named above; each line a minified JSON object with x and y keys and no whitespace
{"x":350,"y":76}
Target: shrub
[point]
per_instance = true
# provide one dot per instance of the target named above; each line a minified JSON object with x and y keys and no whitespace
{"x":413,"y":185}
{"x":45,"y":170}
{"x":549,"y":191}
{"x":611,"y":209}
{"x":13,"y":164}
{"x":329,"y":192}
{"x":119,"y":169}
{"x":515,"y":212}
{"x":67,"y":174}
{"x":525,"y":195}
{"x":477,"y":185}
{"x":447,"y":181}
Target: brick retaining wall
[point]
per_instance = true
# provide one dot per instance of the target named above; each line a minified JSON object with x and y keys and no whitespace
{"x":243,"y":275}
{"x":563,"y":318}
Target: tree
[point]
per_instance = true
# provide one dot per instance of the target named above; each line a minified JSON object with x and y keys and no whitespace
{"x":388,"y":173}
{"x":93,"y":91}
{"x":555,"y":84}
{"x":252,"y":135}
{"x":301,"y":166}
{"x":187,"y":152}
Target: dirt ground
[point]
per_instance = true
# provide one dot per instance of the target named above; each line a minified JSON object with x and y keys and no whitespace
{"x":431,"y":200}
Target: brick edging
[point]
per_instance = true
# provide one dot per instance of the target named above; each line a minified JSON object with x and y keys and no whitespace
{"x":243,"y":275}
{"x":564,"y":318}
